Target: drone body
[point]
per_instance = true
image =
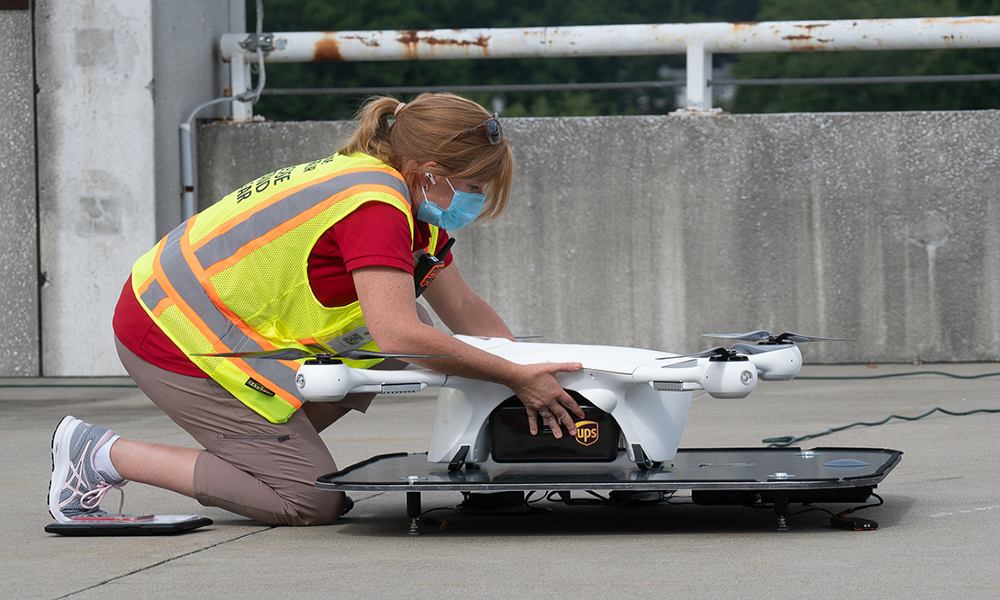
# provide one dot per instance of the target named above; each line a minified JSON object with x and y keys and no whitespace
{"x":648,"y":393}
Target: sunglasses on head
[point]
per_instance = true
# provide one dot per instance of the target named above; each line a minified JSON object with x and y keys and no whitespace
{"x":493,"y":129}
{"x":494,"y":132}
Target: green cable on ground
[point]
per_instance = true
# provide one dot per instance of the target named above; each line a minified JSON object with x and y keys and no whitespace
{"x":888,"y":375}
{"x":787,"y":440}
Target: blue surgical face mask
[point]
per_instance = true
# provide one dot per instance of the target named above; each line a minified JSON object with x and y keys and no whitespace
{"x":463,"y":210}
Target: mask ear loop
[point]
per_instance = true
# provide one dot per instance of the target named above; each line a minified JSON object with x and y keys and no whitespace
{"x":423,"y":187}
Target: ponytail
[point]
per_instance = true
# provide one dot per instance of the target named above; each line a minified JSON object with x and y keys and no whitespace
{"x":372,"y":134}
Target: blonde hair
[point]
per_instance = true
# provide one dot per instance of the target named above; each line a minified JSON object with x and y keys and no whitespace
{"x":443,"y":128}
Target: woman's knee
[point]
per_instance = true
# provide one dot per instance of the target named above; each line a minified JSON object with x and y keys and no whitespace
{"x":269,"y":500}
{"x":317,"y":508}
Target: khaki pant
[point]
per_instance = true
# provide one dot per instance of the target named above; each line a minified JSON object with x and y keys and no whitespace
{"x":252,"y":467}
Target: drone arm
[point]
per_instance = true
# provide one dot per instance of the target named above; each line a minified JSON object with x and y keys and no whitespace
{"x":721,"y":379}
{"x":330,"y":383}
{"x":371,"y":380}
{"x":777,"y":365}
{"x":672,"y":378}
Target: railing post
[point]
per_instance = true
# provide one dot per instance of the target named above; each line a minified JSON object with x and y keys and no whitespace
{"x":239,"y":82}
{"x":699,"y":72}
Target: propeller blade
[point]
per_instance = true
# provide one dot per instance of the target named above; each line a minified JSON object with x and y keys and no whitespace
{"x":299,"y":354}
{"x":717,"y":351}
{"x":798,"y":337}
{"x":764,"y":336}
{"x":750,"y":336}
{"x":759,"y":348}
{"x":279,"y":354}
{"x":369,"y":354}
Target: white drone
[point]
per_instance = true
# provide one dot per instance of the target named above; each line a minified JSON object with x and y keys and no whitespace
{"x":647,"y":393}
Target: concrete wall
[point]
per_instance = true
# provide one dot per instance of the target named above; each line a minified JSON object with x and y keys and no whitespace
{"x":18,"y":225}
{"x":115,"y":79}
{"x":95,"y":127}
{"x":647,"y":231}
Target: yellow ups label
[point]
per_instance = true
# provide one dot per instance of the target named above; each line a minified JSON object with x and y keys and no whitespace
{"x":587,"y":432}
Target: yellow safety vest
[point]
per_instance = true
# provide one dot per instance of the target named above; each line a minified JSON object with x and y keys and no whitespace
{"x":233,"y":278}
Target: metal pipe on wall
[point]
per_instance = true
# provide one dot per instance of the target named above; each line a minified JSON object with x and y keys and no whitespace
{"x":241,"y":101}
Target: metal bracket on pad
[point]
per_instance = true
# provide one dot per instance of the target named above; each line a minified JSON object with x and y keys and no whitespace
{"x":641,"y":460}
{"x":458,"y":460}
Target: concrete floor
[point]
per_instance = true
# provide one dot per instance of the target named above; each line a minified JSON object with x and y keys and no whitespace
{"x":938,"y":535}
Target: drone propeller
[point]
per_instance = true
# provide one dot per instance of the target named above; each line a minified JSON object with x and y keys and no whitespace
{"x":764,"y":337}
{"x":718,"y":351}
{"x":279,"y":354}
{"x":298,"y":354}
{"x":368,"y":354}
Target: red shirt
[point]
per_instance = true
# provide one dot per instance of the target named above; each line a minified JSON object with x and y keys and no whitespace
{"x":376,"y":234}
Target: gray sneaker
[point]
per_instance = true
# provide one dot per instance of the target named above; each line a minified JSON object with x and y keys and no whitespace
{"x":76,"y":487}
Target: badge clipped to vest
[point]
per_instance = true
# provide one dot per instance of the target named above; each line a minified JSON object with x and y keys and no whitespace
{"x":428,"y":266}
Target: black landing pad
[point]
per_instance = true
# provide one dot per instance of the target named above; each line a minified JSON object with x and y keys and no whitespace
{"x":146,"y":525}
{"x":721,"y":476}
{"x":759,"y":469}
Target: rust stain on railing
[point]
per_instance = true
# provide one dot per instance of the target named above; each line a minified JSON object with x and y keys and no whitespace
{"x":371,"y":43}
{"x":805,"y":42}
{"x":327,"y":48}
{"x":412,"y":40}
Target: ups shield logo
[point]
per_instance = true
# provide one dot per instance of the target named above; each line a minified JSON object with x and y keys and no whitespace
{"x":587,"y":432}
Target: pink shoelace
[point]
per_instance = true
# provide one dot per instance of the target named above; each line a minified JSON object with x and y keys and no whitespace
{"x":90,"y":499}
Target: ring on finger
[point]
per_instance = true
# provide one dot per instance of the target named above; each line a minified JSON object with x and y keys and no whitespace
{"x":544,"y":414}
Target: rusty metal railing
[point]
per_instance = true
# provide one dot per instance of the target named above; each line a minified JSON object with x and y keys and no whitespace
{"x":698,"y":41}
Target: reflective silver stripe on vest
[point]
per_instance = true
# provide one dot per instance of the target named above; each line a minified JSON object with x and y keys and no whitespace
{"x":258,"y":224}
{"x":153,"y":295}
{"x":191,"y":291}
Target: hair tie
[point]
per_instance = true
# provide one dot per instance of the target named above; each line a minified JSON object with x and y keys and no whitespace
{"x":399,"y":107}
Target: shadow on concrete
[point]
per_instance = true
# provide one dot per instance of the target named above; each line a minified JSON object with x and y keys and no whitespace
{"x":611,"y":521}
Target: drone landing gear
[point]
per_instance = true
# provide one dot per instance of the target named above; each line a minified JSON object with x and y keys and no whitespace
{"x":413,"y":511}
{"x":458,"y":461}
{"x":642,"y":460}
{"x":413,"y":503}
{"x":781,"y":510}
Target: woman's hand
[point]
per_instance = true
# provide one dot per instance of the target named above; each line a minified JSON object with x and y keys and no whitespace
{"x":541,"y":394}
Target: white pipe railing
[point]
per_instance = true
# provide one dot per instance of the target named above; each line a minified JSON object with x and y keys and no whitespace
{"x":698,"y":41}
